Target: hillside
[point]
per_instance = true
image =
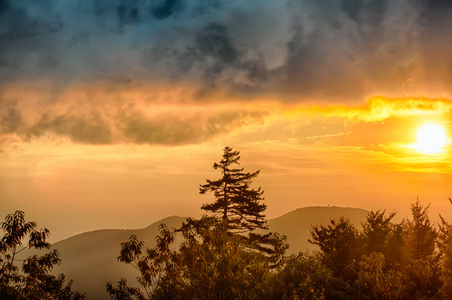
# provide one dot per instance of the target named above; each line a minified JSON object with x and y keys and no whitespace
{"x":296,"y":225}
{"x":90,"y":258}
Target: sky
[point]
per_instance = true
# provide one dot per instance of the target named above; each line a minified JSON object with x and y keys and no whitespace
{"x":112,"y":112}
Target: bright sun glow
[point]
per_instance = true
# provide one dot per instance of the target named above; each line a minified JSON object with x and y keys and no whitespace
{"x":431,"y":139}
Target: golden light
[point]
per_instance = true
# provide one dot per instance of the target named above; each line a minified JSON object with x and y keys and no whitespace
{"x":431,"y":139}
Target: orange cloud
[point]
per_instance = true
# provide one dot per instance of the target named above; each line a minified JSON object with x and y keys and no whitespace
{"x":377,"y":109}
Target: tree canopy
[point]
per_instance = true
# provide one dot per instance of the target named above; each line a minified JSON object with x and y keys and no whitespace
{"x":228,"y":254}
{"x":222,"y":255}
{"x":240,"y":206}
{"x":34,"y":280}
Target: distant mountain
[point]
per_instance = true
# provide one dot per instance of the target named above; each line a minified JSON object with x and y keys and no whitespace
{"x":296,"y":224}
{"x":90,"y":258}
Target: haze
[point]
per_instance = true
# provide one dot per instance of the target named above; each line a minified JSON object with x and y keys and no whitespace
{"x":113,"y":112}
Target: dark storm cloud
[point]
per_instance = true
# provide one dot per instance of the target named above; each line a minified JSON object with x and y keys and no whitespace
{"x":171,"y":129}
{"x":90,"y":129}
{"x":165,"y":8}
{"x":10,"y":120}
{"x":126,"y":123}
{"x":213,"y":40}
{"x":209,"y":50}
{"x":346,"y":47}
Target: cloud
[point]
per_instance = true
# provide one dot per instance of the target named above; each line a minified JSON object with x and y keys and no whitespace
{"x":297,"y":49}
{"x":376,"y":109}
{"x":159,"y":115}
{"x":188,"y":128}
{"x":315,"y":137}
{"x":89,"y":129}
{"x":106,"y":72}
{"x":11,"y":119}
{"x":98,"y":117}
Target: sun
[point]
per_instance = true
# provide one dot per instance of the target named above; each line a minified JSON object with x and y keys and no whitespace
{"x":431,"y":139}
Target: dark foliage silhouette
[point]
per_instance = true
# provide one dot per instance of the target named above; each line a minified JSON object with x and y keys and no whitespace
{"x":224,"y":255}
{"x":34,"y":281}
{"x":228,"y":255}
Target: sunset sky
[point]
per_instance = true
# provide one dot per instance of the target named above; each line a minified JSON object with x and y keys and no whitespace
{"x":112,"y":112}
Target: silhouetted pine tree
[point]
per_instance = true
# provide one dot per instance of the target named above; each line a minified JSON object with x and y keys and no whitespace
{"x":422,"y":269}
{"x":240,"y":206}
{"x":338,"y":243}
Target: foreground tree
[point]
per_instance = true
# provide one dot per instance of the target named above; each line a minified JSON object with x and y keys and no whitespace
{"x":445,"y":246}
{"x":228,"y":255}
{"x":35,"y":280}
{"x":122,"y":291}
{"x":338,"y":243}
{"x":303,"y":276}
{"x":241,"y":207}
{"x":220,"y":265}
{"x":377,"y":232}
{"x":381,"y":248}
{"x":160,"y":274}
{"x":221,"y":256}
{"x":386,"y":260}
{"x":421,"y":265}
{"x":377,"y":281}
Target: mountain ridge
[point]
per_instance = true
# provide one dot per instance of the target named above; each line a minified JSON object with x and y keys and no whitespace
{"x":90,"y":258}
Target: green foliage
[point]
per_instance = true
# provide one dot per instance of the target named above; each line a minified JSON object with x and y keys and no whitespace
{"x":445,"y":245}
{"x":220,"y":264}
{"x":377,"y":231}
{"x":337,"y":242}
{"x":384,"y":260}
{"x":228,"y":254}
{"x":122,"y":291}
{"x":211,"y":263}
{"x":375,"y":281}
{"x":446,"y":267}
{"x":157,"y":266}
{"x":302,"y":277}
{"x":421,"y":233}
{"x":35,"y":280}
{"x":238,"y":205}
{"x":422,"y":269}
